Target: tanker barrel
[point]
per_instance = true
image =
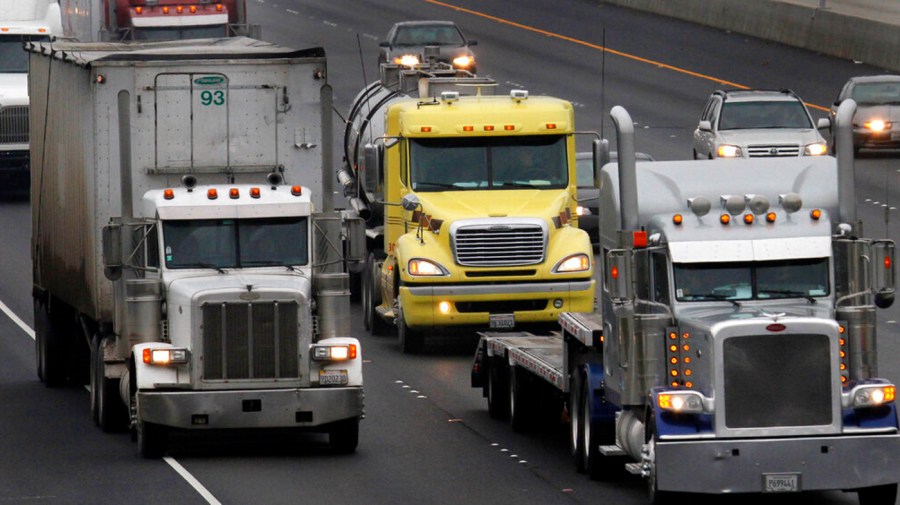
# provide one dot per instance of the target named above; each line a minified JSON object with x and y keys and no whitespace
{"x":359,"y":206}
{"x":843,"y":138}
{"x":628,"y":193}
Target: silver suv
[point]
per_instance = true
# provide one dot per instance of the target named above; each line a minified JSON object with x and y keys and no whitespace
{"x":751,"y":124}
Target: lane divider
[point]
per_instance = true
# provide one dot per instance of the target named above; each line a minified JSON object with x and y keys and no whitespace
{"x":12,"y":315}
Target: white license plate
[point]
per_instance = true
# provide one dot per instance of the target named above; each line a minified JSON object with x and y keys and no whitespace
{"x":781,"y":483}
{"x":503,"y":321}
{"x":333,"y":377}
{"x":895,"y":135}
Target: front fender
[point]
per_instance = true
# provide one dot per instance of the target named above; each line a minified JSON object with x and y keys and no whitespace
{"x":155,"y":376}
{"x":352,"y":366}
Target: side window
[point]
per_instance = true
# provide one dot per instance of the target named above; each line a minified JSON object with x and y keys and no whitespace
{"x":152,"y":246}
{"x":604,"y":253}
{"x":707,"y":111}
{"x":714,"y":112}
{"x":660,"y":281}
{"x":404,"y":164}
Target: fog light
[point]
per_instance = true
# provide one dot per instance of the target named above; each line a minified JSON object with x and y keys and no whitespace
{"x":444,"y":307}
{"x":558,"y":303}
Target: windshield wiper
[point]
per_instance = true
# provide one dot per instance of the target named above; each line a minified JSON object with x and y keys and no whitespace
{"x":217,"y":268}
{"x":716,"y":297}
{"x":435,"y":184}
{"x":789,"y":293}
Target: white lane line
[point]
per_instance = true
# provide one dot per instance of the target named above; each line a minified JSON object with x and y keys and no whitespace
{"x":6,"y":310}
{"x":192,"y":481}
{"x":174,"y":464}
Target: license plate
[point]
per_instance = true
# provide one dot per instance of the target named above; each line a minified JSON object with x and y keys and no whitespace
{"x":503,"y":321}
{"x":333,"y":377}
{"x":895,"y":135}
{"x":781,"y":483}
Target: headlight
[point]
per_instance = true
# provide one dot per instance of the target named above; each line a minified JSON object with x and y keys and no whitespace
{"x":166,"y":356}
{"x":574,"y":263}
{"x":583,"y":211}
{"x":682,"y":402}
{"x":817,"y":149}
{"x":421,"y":267}
{"x":407,"y":60}
{"x":730,"y":151}
{"x":334,"y":352}
{"x":870,"y":395}
{"x":463,"y":61}
{"x":877,"y":125}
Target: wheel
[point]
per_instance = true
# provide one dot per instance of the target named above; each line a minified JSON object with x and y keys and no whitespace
{"x":112,"y":415}
{"x":497,"y":387}
{"x":39,"y":330}
{"x":51,"y":350}
{"x":656,"y":497}
{"x":151,"y":439}
{"x":696,"y":156}
{"x":371,"y":298}
{"x":95,"y":344}
{"x":411,"y":341}
{"x":878,"y":495}
{"x":576,"y":439}
{"x":520,"y":403}
{"x":593,"y":435}
{"x":343,"y":436}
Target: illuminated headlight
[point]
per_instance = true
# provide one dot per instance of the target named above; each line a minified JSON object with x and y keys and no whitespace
{"x":871,"y":395}
{"x":817,"y":149}
{"x":463,"y":61}
{"x":877,"y":125}
{"x":574,"y":263}
{"x":407,"y":60}
{"x":682,"y":402}
{"x":583,"y":211}
{"x":334,"y":352}
{"x":730,"y":151}
{"x":421,"y":267}
{"x":164,"y":357}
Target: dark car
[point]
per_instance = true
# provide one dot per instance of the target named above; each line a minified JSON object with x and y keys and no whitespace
{"x":406,"y":42}
{"x":589,"y":196}
{"x":877,"y":119}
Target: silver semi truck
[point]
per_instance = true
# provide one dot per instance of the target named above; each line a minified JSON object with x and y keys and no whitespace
{"x":182,"y":265}
{"x":734,"y":346}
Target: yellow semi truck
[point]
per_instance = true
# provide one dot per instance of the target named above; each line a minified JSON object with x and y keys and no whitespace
{"x":470,"y":205}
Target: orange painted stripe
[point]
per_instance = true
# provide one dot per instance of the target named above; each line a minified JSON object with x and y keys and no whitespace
{"x":600,"y":48}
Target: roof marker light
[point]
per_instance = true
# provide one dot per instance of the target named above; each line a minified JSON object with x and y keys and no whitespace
{"x":168,"y":194}
{"x":426,"y":129}
{"x":296,"y":190}
{"x":748,"y":218}
{"x":770,"y":217}
{"x":488,"y":127}
{"x":219,"y":7}
{"x":551,"y":126}
{"x":254,"y":193}
{"x":509,"y":127}
{"x":677,"y":219}
{"x":193,"y":9}
{"x":234,"y":194}
{"x":468,"y":128}
{"x":815,"y":214}
{"x":179,"y":9}
{"x":139,"y":9}
{"x":165,"y":9}
{"x":212,"y":194}
{"x":724,"y":219}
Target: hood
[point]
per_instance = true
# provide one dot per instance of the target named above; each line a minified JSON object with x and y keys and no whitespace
{"x":706,"y":315}
{"x":770,"y":136}
{"x":866,"y":113}
{"x":184,"y":287}
{"x":453,"y":205}
{"x":13,"y":89}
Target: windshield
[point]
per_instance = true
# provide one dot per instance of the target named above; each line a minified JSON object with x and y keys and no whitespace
{"x":428,"y":35}
{"x":747,"y":115}
{"x":190,"y":32}
{"x":455,"y":164}
{"x":13,"y":57}
{"x":764,"y":280}
{"x":236,"y":243}
{"x":876,"y":93}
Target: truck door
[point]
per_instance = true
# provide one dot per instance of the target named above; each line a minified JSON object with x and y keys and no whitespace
{"x":206,"y":123}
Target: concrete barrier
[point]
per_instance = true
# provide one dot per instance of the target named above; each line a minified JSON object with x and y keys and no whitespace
{"x":825,"y":31}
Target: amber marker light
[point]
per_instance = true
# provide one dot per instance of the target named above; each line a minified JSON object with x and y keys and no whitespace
{"x":748,"y":218}
{"x":488,"y":127}
{"x":770,"y":217}
{"x":426,"y":129}
{"x":254,"y":193}
{"x":551,"y":126}
{"x":179,"y":9}
{"x":296,"y":190}
{"x":139,"y":9}
{"x":815,"y":214}
{"x":677,"y":219}
{"x":212,"y":194}
{"x":234,"y":194}
{"x":220,"y":7}
{"x":724,"y":219}
{"x":468,"y":128}
{"x":509,"y":127}
{"x":165,"y":9}
{"x":193,"y":9}
{"x":168,"y":194}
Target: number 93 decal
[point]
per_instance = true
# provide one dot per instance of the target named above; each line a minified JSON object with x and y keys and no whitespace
{"x":212,"y":97}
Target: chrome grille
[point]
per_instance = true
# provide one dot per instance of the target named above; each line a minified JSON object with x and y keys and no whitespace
{"x":777,"y":381}
{"x":14,"y":124}
{"x":773,"y":151}
{"x":250,"y":341}
{"x":490,"y":245}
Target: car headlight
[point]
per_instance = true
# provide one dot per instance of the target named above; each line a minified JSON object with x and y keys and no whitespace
{"x":407,"y":60}
{"x":681,"y":402}
{"x":730,"y":151}
{"x":817,"y":149}
{"x":877,"y":125}
{"x":334,"y":352}
{"x":464,"y":61}
{"x":165,"y":356}
{"x":575,"y":263}
{"x":420,"y":267}
{"x":583,"y":211}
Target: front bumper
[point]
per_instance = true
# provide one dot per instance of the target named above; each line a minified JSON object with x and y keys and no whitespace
{"x":863,"y":137}
{"x":270,"y":408}
{"x":473,"y":304}
{"x":740,"y":466}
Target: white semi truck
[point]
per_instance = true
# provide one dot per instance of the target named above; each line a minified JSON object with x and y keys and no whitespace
{"x":734,"y":346}
{"x":182,"y":265}
{"x":20,"y":21}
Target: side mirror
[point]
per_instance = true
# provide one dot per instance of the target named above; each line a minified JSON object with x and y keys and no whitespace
{"x":473,"y":43}
{"x":410,"y":202}
{"x":601,"y":157}
{"x":112,"y":251}
{"x":824,"y":124}
{"x":618,"y":275}
{"x":372,"y":164}
{"x":705,"y":126}
{"x":355,"y":239}
{"x":883,"y":280}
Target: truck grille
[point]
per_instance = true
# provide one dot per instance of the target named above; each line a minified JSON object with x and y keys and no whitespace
{"x":773,"y":151}
{"x":250,"y":341}
{"x":777,"y":381}
{"x":14,"y":124}
{"x":488,"y":245}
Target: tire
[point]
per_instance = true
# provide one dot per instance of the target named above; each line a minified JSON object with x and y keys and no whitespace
{"x":371,"y":298}
{"x":576,"y":438}
{"x":520,"y":402}
{"x":655,"y":496}
{"x":878,"y":495}
{"x":343,"y":436}
{"x":52,"y":350}
{"x":112,"y":415}
{"x":497,"y":387}
{"x":593,"y":435}
{"x":151,"y":439}
{"x":95,"y":345}
{"x":411,"y":341}
{"x":39,"y":329}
